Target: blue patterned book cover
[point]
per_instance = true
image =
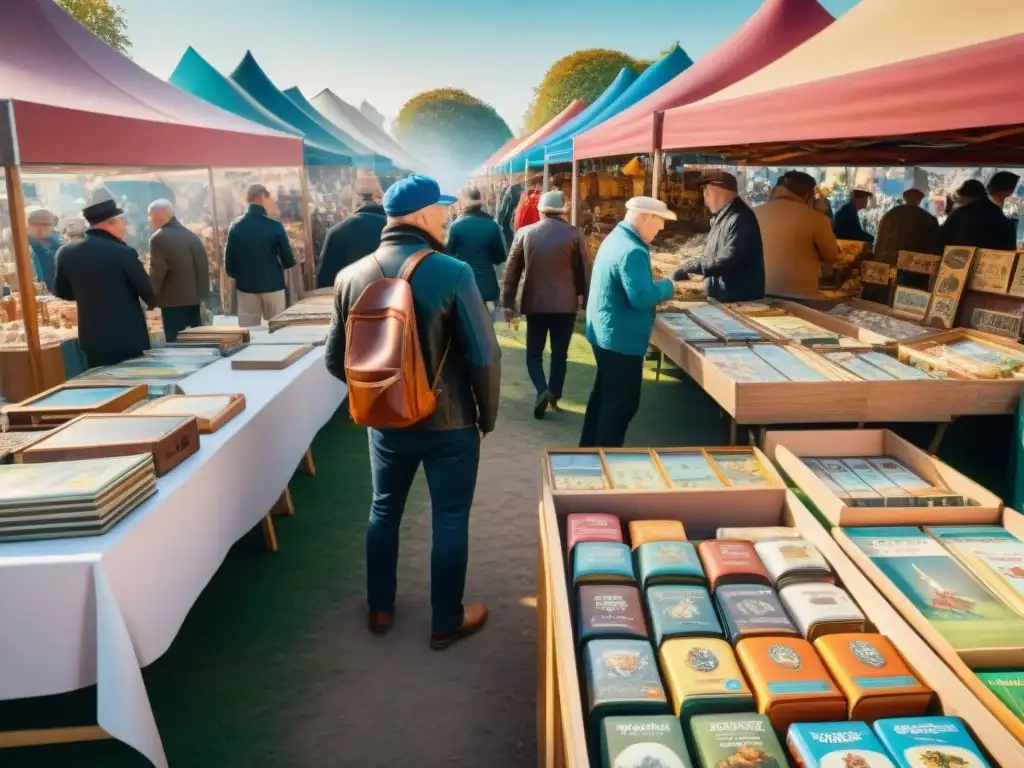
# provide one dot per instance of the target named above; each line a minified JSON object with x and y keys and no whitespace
{"x":682,"y":612}
{"x":669,"y":562}
{"x":930,"y":742}
{"x":602,"y":562}
{"x":836,"y":745}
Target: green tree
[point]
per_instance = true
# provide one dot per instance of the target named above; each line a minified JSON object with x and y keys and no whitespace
{"x":103,"y":19}
{"x":581,"y":75}
{"x":451,"y":130}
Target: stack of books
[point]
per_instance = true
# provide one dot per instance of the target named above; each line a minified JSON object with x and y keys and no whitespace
{"x":226,"y":337}
{"x":880,"y":481}
{"x":66,"y":499}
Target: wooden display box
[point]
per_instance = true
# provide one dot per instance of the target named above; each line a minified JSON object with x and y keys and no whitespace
{"x":268,"y":357}
{"x":34,"y":413}
{"x":16,"y":373}
{"x":562,"y":739}
{"x":100,"y":439}
{"x":186,"y":405}
{"x":789,"y":402}
{"x":788,"y":449}
{"x":832,"y":323}
{"x":960,"y":663}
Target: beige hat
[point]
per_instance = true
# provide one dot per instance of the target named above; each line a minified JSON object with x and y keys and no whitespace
{"x":552,"y":202}
{"x":651,"y":206}
{"x":41,"y":216}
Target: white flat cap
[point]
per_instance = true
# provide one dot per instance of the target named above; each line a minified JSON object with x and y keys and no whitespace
{"x":650,"y":206}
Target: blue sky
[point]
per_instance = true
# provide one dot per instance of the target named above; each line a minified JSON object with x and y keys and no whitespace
{"x":388,"y":50}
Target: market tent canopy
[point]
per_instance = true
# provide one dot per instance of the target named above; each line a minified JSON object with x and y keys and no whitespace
{"x":958,"y":107}
{"x":77,"y":101}
{"x":552,"y":125}
{"x":776,"y":28}
{"x":355,"y":123}
{"x":499,"y":153}
{"x":535,"y":155}
{"x":653,"y":78}
{"x":249,"y":76}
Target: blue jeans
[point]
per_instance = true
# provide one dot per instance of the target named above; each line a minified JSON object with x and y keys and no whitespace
{"x":450,"y":461}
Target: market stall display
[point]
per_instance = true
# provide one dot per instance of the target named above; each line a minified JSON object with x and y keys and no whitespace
{"x":66,"y":499}
{"x":66,"y":401}
{"x":268,"y":357}
{"x":681,"y":684}
{"x":169,"y":439}
{"x":12,"y":442}
{"x":211,"y":411}
{"x":315,"y":335}
{"x":316,"y":311}
{"x":226,"y":337}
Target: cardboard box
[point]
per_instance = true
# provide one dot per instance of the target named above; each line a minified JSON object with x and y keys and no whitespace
{"x":789,"y":449}
{"x":562,"y":739}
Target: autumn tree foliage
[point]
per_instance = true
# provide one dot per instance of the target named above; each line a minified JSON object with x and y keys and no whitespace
{"x":581,"y":75}
{"x":103,"y":19}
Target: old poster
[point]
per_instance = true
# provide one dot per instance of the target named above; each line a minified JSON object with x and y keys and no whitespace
{"x":949,"y":286}
{"x":992,"y":270}
{"x":1000,"y":323}
{"x":922,"y":263}
{"x":875,"y":272}
{"x":910,"y":302}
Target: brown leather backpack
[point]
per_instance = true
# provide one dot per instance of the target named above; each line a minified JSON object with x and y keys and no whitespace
{"x":387,"y":379}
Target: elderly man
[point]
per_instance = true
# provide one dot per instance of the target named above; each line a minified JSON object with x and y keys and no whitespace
{"x":105,"y":278}
{"x":461,"y":353}
{"x":351,"y":239}
{"x":977,"y":221}
{"x":620,"y":318}
{"x":797,"y":239}
{"x":907,"y":227}
{"x":733,"y":260}
{"x":847,"y":224}
{"x":552,"y":259}
{"x":256,"y":255}
{"x":476,"y":239}
{"x":44,"y":243}
{"x":178,"y":268}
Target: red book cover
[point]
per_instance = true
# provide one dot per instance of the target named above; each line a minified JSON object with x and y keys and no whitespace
{"x":583,"y":526}
{"x":732,"y":562}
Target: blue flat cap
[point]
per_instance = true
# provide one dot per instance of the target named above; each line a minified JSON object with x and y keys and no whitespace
{"x":413,"y":193}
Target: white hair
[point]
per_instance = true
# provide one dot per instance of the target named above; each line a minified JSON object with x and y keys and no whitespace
{"x":162,"y":205}
{"x":635,"y":217}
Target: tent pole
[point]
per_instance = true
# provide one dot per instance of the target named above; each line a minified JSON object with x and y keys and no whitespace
{"x":227,"y":297}
{"x":26,"y":284}
{"x":575,"y":192}
{"x":308,"y":268}
{"x":547,"y":173}
{"x":656,"y":174}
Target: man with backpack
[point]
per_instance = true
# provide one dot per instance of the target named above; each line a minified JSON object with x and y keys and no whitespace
{"x":414,"y":342}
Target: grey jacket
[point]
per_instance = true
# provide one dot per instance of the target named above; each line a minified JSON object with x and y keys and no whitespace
{"x":553,"y":255}
{"x":178,"y":267}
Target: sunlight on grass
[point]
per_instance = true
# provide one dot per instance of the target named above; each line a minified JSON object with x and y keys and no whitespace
{"x":530,"y":601}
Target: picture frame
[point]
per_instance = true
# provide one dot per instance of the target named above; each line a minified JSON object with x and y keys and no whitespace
{"x":874,"y":272}
{"x":949,"y":286}
{"x":1016,"y":286}
{"x":919,"y":263}
{"x":992,"y":271}
{"x":268,"y":357}
{"x":211,"y":411}
{"x":910,"y":302}
{"x":999,"y":323}
{"x":66,"y":401}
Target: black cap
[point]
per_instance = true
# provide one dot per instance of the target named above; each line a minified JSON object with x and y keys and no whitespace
{"x":101,"y":211}
{"x":861,"y":193}
{"x":718,"y":178}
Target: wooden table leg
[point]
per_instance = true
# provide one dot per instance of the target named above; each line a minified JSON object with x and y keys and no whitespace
{"x":42,"y":736}
{"x":284,"y":505}
{"x":306,"y":466}
{"x":733,"y":428}
{"x":269,"y":533}
{"x":940,"y":432}
{"x":661,"y":362}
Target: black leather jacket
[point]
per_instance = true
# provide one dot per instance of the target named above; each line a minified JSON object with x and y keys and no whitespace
{"x":448,"y":310}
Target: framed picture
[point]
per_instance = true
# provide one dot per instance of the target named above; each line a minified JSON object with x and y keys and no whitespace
{"x":949,"y":286}
{"x":211,"y":411}
{"x":577,"y":471}
{"x":1016,"y":287}
{"x":66,"y":401}
{"x":911,"y":302}
{"x":742,"y":365}
{"x":992,"y":271}
{"x":1000,"y":323}
{"x":874,"y":272}
{"x":268,"y":357}
{"x":921,"y":263}
{"x":633,"y":470}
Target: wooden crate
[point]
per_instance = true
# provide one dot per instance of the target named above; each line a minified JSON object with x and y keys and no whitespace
{"x":29,"y":414}
{"x":960,"y":663}
{"x":788,"y":449}
{"x":16,"y":374}
{"x":561,"y":733}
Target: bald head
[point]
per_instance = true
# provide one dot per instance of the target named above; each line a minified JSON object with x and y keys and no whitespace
{"x":160,"y":213}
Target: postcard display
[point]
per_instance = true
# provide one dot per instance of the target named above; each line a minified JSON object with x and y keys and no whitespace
{"x":938,"y":546}
{"x":714,"y":625}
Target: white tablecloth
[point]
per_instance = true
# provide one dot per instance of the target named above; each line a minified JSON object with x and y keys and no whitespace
{"x":76,"y":612}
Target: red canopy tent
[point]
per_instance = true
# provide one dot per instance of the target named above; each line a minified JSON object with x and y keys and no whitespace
{"x":552,"y":125}
{"x":960,"y":106}
{"x":74,"y":100}
{"x":776,"y":28}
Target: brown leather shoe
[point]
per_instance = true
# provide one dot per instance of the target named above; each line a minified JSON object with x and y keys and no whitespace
{"x":381,"y":621}
{"x":473,"y":619}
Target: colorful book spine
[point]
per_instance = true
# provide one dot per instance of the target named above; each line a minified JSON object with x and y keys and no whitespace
{"x":860,"y":493}
{"x":893,"y":494}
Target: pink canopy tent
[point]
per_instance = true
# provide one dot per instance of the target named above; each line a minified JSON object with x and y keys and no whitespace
{"x":552,"y":125}
{"x":776,"y":28}
{"x":960,"y":106}
{"x":77,"y":101}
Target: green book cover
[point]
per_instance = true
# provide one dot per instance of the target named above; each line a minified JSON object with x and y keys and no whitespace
{"x":1008,"y":686}
{"x":967,"y":614}
{"x":668,"y":562}
{"x":652,"y":741}
{"x":724,"y":741}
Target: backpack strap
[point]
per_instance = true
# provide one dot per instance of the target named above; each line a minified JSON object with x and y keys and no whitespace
{"x":413,"y":262}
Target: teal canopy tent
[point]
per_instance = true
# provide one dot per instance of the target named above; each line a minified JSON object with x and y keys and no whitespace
{"x":652,"y":79}
{"x":535,"y":155}
{"x":197,"y":76}
{"x":249,"y":76}
{"x":383,"y":162}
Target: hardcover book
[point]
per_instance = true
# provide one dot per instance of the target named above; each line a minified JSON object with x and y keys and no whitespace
{"x":924,"y":493}
{"x":788,"y":365}
{"x":650,"y":741}
{"x":760,"y":533}
{"x":689,"y":470}
{"x":894,"y":495}
{"x":736,"y":741}
{"x":681,"y":612}
{"x":724,"y":325}
{"x":930,"y":742}
{"x":587,"y":526}
{"x":742,"y":365}
{"x":668,"y":562}
{"x":644,"y":531}
{"x":873,"y":677}
{"x":752,"y":610}
{"x":609,"y":612}
{"x":792,"y":561}
{"x":857,"y":365}
{"x":966,"y":614}
{"x":992,"y":554}
{"x":577,"y":472}
{"x":741,"y":468}
{"x":703,"y":676}
{"x":635,"y":471}
{"x":836,"y":745}
{"x":599,"y":562}
{"x":1008,"y":686}
{"x":686,"y":328}
{"x":894,"y":367}
{"x":797,"y":329}
{"x":821,"y":609}
{"x":731,"y":562}
{"x":622,"y":679}
{"x":789,"y":681}
{"x":819,"y":471}
{"x":860,"y":493}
